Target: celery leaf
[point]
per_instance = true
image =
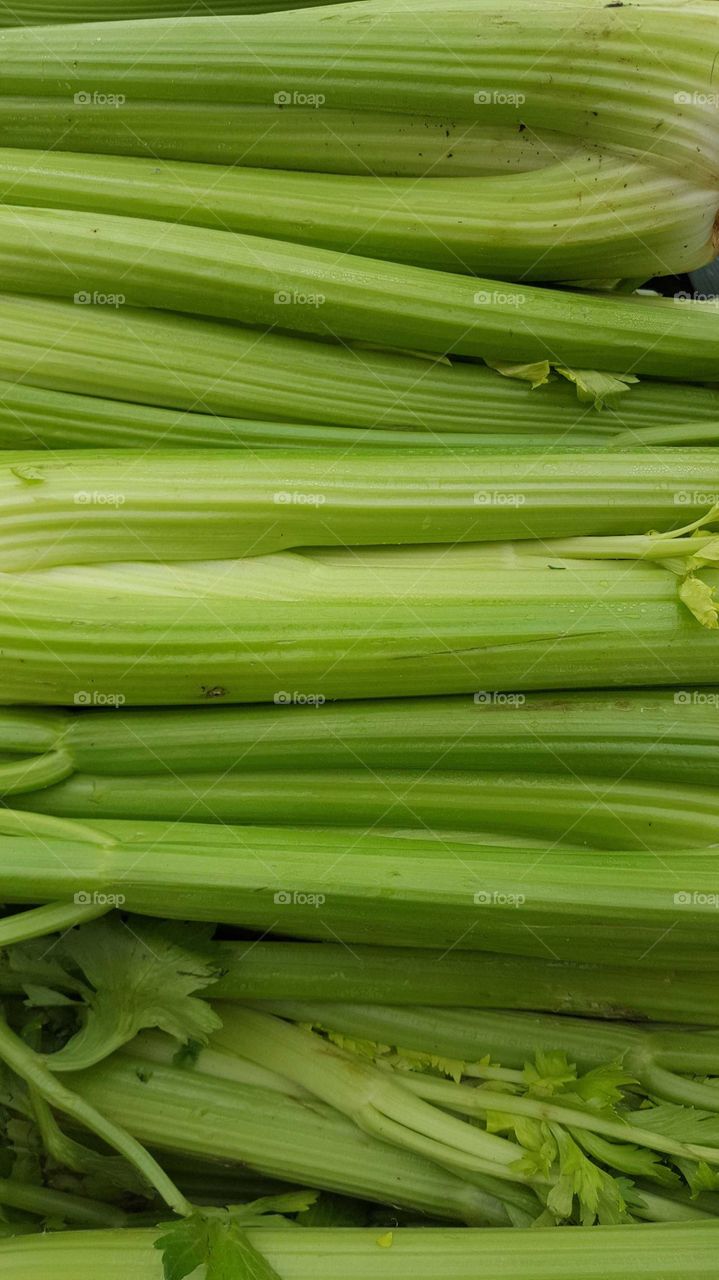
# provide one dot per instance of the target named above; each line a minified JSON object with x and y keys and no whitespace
{"x":595,"y":387}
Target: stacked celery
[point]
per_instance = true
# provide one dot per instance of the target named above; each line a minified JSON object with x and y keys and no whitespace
{"x":359,"y":645}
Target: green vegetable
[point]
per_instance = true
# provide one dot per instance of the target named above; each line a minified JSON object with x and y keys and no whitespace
{"x":26,"y":13}
{"x":327,"y":624}
{"x":563,"y":220}
{"x":267,"y":283}
{"x":543,"y":68}
{"x":162,"y":359}
{"x":652,"y":735}
{"x":395,"y":889}
{"x":679,"y":1249}
{"x":109,"y":505}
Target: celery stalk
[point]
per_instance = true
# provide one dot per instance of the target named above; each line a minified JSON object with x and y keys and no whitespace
{"x":268,"y":283}
{"x":345,"y":624}
{"x":562,"y":221}
{"x":398,"y":889}
{"x":156,"y":358}
{"x":28,"y":13}
{"x":274,"y":1134}
{"x":552,"y":67}
{"x":582,"y":811}
{"x":113,"y":505}
{"x":674,"y":1250}
{"x":328,"y":971}
{"x":386,"y":144}
{"x":658,"y":736}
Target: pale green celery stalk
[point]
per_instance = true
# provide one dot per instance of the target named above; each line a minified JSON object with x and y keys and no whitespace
{"x":30,"y":1068}
{"x":269,"y":283}
{"x":369,"y":1096}
{"x":654,"y":735}
{"x":119,"y":505}
{"x":396,"y":889}
{"x":386,"y":144}
{"x":584,"y":811}
{"x":37,"y":923}
{"x":563,"y":221}
{"x":345,"y":624}
{"x":275,"y":1134}
{"x":686,"y":433}
{"x":39,"y":13}
{"x":156,"y":358}
{"x":47,"y":1203}
{"x":672,"y":1250}
{"x":37,"y":418}
{"x":329,"y":971}
{"x":661,"y":1060}
{"x":549,"y":68}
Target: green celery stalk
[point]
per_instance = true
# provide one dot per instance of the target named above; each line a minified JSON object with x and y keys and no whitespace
{"x":156,"y":358}
{"x":397,"y":889}
{"x":269,"y":283}
{"x":654,"y":735}
{"x":662,"y":1060}
{"x":549,"y":68}
{"x":275,"y":1134}
{"x":328,"y":971}
{"x":674,"y":1250}
{"x":345,"y":624}
{"x":266,"y":135}
{"x":118,"y":505}
{"x":28,"y":13}
{"x":562,"y":221}
{"x":582,"y":811}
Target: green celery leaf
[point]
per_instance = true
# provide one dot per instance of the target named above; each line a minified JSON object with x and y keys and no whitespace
{"x":215,"y":1242}
{"x":596,"y":388}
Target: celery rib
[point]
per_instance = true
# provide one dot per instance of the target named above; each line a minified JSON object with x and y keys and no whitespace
{"x":120,"y":505}
{"x":566,"y":57}
{"x":267,"y":283}
{"x":396,"y":889}
{"x":564,"y":221}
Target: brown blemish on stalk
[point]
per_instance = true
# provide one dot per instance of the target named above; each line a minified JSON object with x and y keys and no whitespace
{"x":715,"y":234}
